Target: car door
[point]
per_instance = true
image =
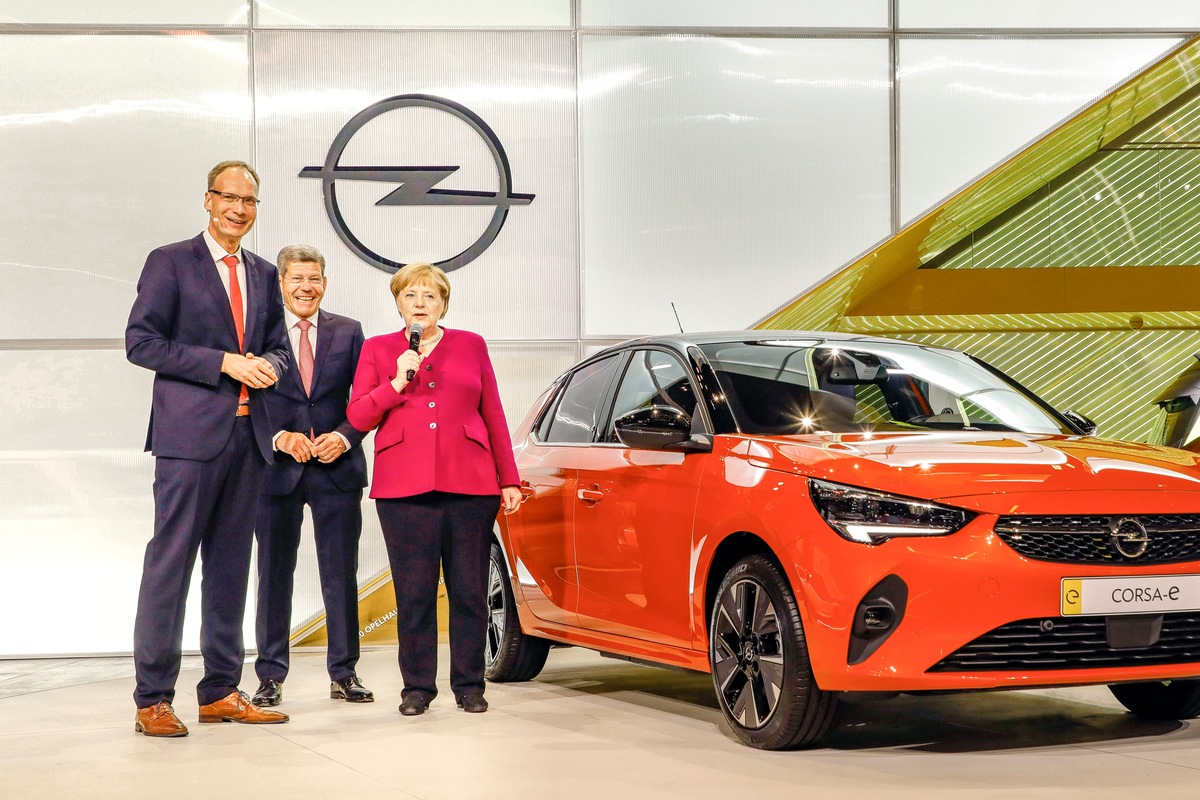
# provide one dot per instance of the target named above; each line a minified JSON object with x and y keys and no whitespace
{"x":541,"y":531}
{"x":633,"y":518}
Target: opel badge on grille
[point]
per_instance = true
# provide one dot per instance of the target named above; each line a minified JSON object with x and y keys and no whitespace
{"x":1129,"y":537}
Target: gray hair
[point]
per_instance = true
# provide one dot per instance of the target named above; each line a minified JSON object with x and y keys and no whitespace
{"x":299,"y":252}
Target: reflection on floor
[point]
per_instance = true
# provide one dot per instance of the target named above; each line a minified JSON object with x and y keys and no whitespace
{"x":586,"y":728}
{"x":27,"y":675}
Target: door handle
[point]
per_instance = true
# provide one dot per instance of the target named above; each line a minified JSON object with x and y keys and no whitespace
{"x":590,"y":495}
{"x":527,"y":491}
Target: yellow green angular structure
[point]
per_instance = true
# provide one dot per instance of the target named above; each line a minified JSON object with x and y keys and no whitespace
{"x":1072,"y":266}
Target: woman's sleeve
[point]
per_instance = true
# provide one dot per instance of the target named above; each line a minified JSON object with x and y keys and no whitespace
{"x":497,"y":426}
{"x":373,"y":395}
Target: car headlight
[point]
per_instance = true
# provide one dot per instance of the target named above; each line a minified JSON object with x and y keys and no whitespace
{"x":870,"y":517}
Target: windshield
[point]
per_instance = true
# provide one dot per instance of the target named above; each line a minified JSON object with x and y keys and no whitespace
{"x":809,"y":387}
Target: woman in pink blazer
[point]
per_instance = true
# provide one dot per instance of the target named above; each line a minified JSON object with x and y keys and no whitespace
{"x":443,"y":468}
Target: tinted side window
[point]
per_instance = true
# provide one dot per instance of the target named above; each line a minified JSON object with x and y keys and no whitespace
{"x":574,"y":418}
{"x":653,"y":378}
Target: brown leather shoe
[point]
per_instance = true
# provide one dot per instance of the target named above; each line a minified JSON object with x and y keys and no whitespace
{"x":236,"y":707}
{"x":159,"y":720}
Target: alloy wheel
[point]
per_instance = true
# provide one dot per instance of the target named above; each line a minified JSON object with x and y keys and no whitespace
{"x":497,"y":611}
{"x":748,"y":663}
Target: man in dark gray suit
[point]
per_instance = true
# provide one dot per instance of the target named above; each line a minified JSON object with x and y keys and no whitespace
{"x":319,"y":463}
{"x":204,"y":308}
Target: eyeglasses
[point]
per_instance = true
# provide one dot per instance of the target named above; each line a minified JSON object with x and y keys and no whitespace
{"x":249,"y":202}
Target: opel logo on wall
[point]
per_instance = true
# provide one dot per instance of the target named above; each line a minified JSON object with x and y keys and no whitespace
{"x":416,"y":183}
{"x":1129,"y":537}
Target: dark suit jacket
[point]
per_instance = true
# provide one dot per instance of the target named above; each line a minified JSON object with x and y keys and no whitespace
{"x":181,"y":327}
{"x":339,"y":341}
{"x":446,"y":431}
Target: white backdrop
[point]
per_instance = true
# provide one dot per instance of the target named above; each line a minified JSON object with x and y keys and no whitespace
{"x":677,"y":153}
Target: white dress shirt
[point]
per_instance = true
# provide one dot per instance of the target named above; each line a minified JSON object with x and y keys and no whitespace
{"x":219,"y":253}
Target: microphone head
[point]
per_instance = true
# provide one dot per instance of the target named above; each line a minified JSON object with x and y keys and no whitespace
{"x":416,"y":329}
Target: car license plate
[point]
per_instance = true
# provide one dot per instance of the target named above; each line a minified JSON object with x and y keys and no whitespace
{"x":1143,"y":594}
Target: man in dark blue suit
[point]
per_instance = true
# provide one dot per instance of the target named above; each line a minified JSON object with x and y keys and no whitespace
{"x":204,"y":308}
{"x":319,"y":463}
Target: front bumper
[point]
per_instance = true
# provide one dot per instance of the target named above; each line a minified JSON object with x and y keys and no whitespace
{"x":978,"y":615}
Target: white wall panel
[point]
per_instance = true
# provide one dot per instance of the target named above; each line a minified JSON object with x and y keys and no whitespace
{"x":1033,"y":14}
{"x":389,"y":13}
{"x":104,"y":159}
{"x":525,"y":286}
{"x":725,"y":175}
{"x":724,"y":14}
{"x":525,"y":369}
{"x":141,"y":12}
{"x":77,"y":501}
{"x":967,"y":104}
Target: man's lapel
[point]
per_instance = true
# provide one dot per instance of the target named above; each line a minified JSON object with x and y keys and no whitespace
{"x":207,"y":269}
{"x":326,"y":333}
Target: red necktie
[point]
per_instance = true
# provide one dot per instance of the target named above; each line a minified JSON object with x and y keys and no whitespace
{"x":235,"y":306}
{"x":305,"y":355}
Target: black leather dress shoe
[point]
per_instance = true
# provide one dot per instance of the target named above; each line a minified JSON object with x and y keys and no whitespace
{"x":414,"y":705}
{"x":473,"y":703}
{"x":270,"y":693}
{"x":351,"y":690}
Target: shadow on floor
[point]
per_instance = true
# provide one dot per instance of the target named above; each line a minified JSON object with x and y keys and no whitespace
{"x":970,"y":722}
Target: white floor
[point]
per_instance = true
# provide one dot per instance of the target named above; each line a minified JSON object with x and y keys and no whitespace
{"x":588,"y":727}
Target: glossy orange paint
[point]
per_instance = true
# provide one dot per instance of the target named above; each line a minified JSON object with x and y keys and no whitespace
{"x":643,"y":553}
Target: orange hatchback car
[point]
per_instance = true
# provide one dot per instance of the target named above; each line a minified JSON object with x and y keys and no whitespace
{"x":805,"y":515}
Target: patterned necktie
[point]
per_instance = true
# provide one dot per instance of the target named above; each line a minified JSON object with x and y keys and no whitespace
{"x":305,"y":355}
{"x":235,"y":307}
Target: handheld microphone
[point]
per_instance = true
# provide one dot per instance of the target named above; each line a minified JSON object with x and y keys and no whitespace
{"x":414,"y":342}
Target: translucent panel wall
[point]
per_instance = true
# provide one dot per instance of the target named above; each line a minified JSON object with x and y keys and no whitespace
{"x":723,"y":14}
{"x":521,"y":85}
{"x":389,"y":13}
{"x":714,"y":168}
{"x":102,"y":159}
{"x":1175,"y":15}
{"x":719,"y":157}
{"x":128,"y":12}
{"x":968,"y":104}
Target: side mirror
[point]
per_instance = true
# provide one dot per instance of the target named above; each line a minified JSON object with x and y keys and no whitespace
{"x":657,"y":428}
{"x":1080,"y":423}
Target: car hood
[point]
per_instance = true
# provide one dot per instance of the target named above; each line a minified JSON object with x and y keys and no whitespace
{"x":993,"y":472}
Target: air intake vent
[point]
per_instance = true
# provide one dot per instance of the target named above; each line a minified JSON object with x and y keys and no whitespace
{"x":1072,"y":643}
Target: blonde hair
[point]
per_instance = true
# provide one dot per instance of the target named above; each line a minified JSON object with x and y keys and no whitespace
{"x":422,"y":273}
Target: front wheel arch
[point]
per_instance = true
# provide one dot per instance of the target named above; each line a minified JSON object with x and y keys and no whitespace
{"x":732,"y":549}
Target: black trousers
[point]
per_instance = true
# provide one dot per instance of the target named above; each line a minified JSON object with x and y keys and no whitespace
{"x":204,"y":507}
{"x":337,"y":526}
{"x":455,"y":532}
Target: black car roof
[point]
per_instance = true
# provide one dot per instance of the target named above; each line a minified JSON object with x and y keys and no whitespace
{"x":681,"y":341}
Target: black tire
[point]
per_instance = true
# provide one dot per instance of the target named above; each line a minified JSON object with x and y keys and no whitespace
{"x":1160,"y":699}
{"x":759,"y":659}
{"x":510,"y":655}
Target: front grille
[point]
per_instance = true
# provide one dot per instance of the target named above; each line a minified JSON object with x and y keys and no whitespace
{"x":1089,"y":539}
{"x":1071,"y":643}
